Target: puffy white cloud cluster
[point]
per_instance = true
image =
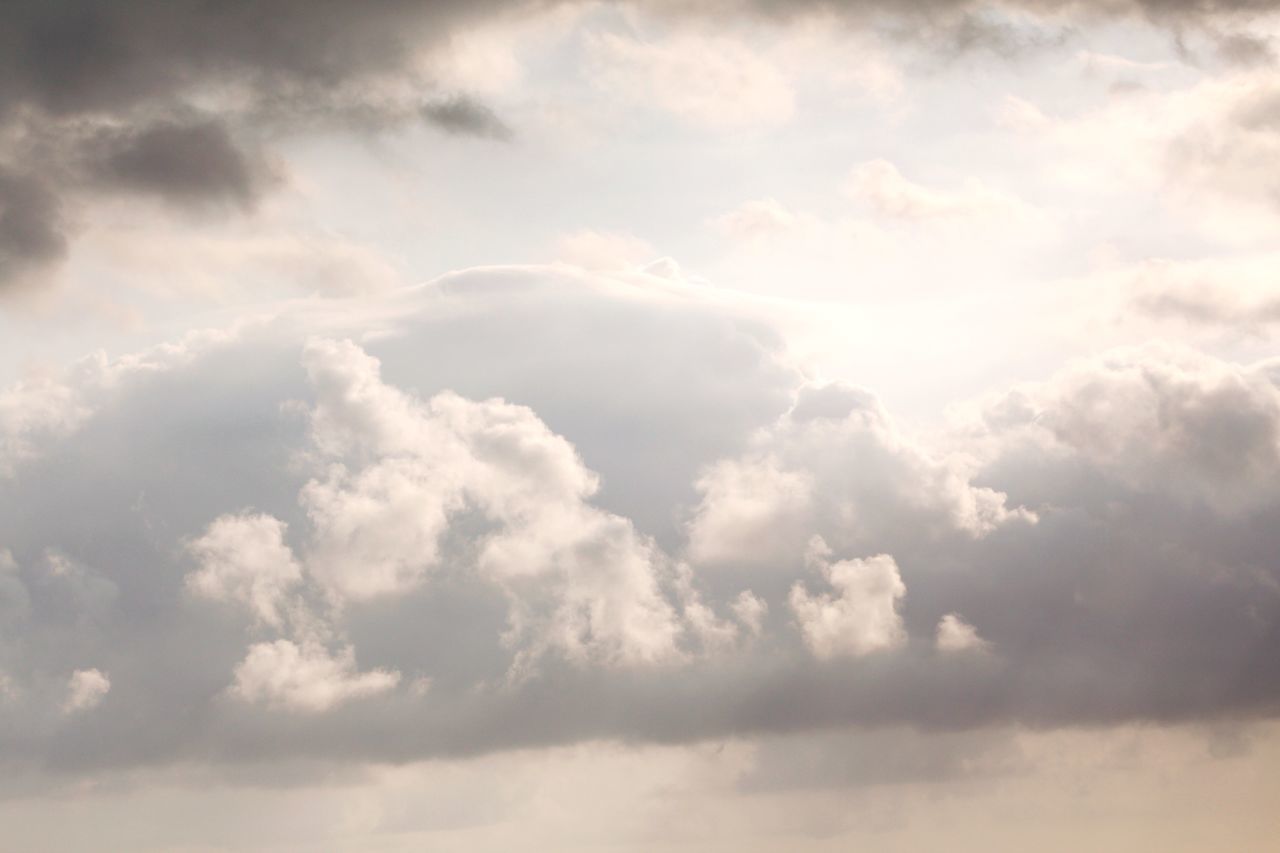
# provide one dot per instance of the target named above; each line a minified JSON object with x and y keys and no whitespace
{"x":835,"y":466}
{"x":398,"y":475}
{"x":862,"y":617}
{"x":1160,"y":420}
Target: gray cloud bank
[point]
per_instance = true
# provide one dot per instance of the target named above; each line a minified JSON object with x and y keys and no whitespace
{"x":490,"y":513}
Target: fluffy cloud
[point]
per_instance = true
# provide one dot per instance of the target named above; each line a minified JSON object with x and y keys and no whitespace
{"x":244,"y":558}
{"x":378,"y":529}
{"x":1157,"y":421}
{"x":835,"y":465}
{"x":506,"y":491}
{"x":85,"y":689}
{"x":862,"y":617}
{"x":309,"y":678}
{"x":50,"y":404}
{"x":956,"y":635}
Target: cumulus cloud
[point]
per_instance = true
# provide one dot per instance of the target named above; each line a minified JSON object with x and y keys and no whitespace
{"x":290,"y":530}
{"x":85,"y":689}
{"x":308,"y":679}
{"x":797,"y":481}
{"x":862,"y":617}
{"x":244,"y":558}
{"x":956,"y":635}
{"x":378,"y":529}
{"x":1164,"y":420}
{"x":50,"y":403}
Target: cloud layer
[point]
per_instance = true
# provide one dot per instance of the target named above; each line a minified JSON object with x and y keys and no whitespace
{"x":485,"y":513}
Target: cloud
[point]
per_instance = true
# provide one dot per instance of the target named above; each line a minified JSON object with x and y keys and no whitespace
{"x":1235,"y":295}
{"x":307,"y":679}
{"x":579,"y":581}
{"x":765,"y":506}
{"x":85,"y":689}
{"x":244,"y":558}
{"x":956,"y":635}
{"x":46,"y":405}
{"x":496,"y":484}
{"x":32,"y":231}
{"x":464,"y":116}
{"x":170,"y":100}
{"x":863,"y":615}
{"x":194,"y":163}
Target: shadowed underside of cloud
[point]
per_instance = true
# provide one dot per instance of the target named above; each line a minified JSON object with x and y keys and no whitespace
{"x":507,"y":519}
{"x":170,"y":100}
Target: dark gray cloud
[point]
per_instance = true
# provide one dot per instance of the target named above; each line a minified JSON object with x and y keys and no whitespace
{"x":32,"y":231}
{"x":193,"y":163}
{"x":1144,"y":588}
{"x":465,"y":116}
{"x":1246,"y":50}
{"x":1187,"y":9}
{"x":135,"y":67}
{"x":75,"y":57}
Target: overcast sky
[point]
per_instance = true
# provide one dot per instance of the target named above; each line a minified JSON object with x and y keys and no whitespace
{"x":735,"y":425}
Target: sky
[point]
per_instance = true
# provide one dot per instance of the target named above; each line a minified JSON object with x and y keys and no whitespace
{"x":741,"y":425}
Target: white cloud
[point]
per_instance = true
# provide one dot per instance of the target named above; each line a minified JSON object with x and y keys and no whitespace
{"x":546,"y":571}
{"x":244,"y":558}
{"x":377,"y":530}
{"x":35,"y":407}
{"x":747,"y":507}
{"x":1163,"y":420}
{"x":49,"y":405}
{"x":85,"y":690}
{"x":579,"y":581}
{"x":750,"y":610}
{"x":837,"y":466}
{"x":306,"y":678}
{"x":862,"y":616}
{"x":956,"y":635}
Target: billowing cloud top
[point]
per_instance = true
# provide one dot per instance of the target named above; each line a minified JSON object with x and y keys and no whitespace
{"x":288,"y":540}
